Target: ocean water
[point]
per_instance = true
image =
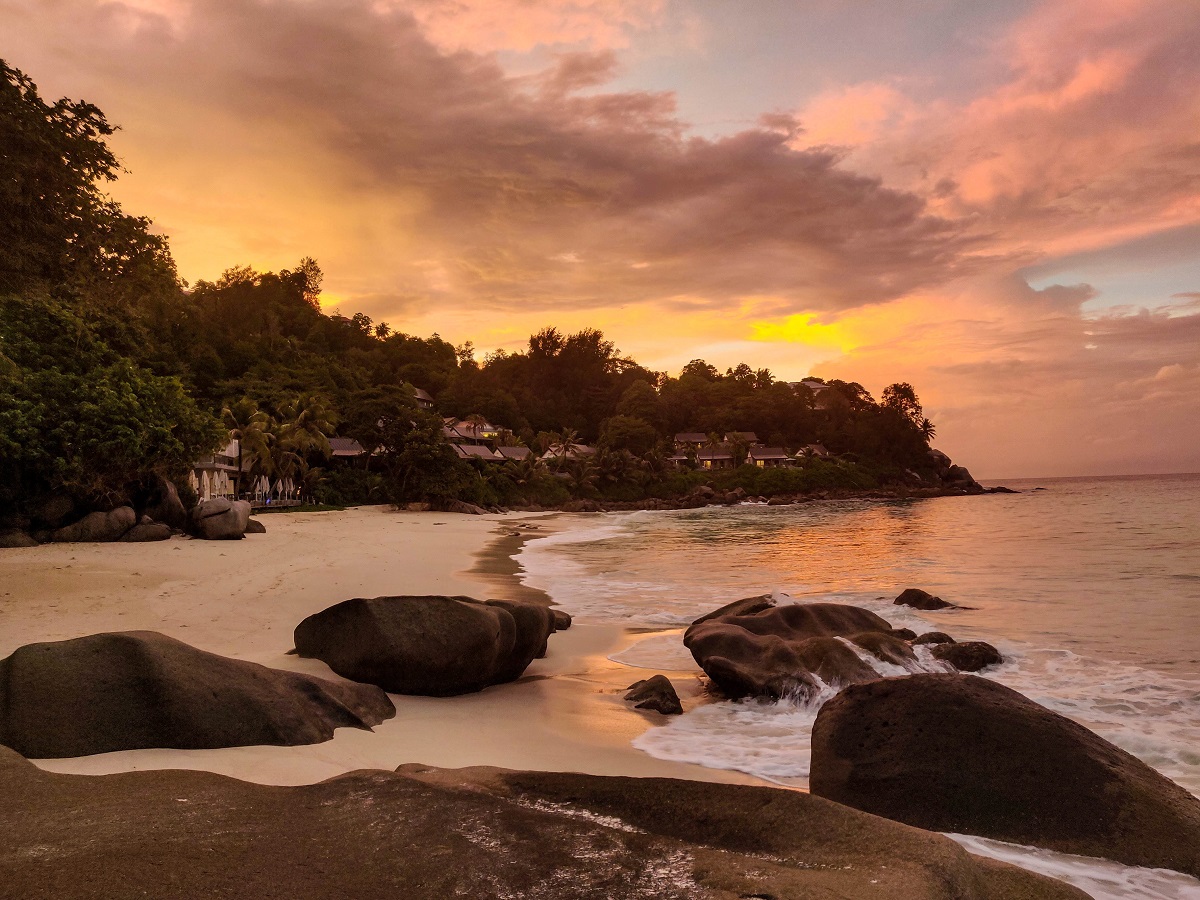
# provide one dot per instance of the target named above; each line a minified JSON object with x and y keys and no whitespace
{"x":1090,"y":588}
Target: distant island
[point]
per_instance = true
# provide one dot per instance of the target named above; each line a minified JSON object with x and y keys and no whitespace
{"x":119,"y":375}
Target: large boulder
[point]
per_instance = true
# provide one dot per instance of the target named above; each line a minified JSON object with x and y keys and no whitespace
{"x":429,"y":834}
{"x":12,"y":539}
{"x":434,"y":646}
{"x":253,"y":526}
{"x":138,"y":689}
{"x":97,"y":526}
{"x":932,"y":637}
{"x":221,"y":519}
{"x":147,"y":530}
{"x":959,"y":753}
{"x":159,"y":500}
{"x":747,"y":606}
{"x":919,"y":599}
{"x":755,"y":648}
{"x":967,"y":656}
{"x":535,"y":624}
{"x":53,"y":511}
{"x":655,"y":693}
{"x":462,"y":506}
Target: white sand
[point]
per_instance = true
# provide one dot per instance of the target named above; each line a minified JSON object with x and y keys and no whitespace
{"x":243,"y":599}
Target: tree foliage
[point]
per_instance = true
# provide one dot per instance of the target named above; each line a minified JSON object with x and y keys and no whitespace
{"x":111,"y":367}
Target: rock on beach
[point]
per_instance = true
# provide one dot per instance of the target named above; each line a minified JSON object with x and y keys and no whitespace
{"x":655,"y":693}
{"x":959,"y":753}
{"x":433,"y":645}
{"x":919,"y":599}
{"x":754,"y":648}
{"x":429,"y":834}
{"x":221,"y":519}
{"x":967,"y":656}
{"x":97,"y":527}
{"x":138,"y":689}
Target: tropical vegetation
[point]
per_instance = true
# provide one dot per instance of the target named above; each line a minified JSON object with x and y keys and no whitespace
{"x":112,"y":369}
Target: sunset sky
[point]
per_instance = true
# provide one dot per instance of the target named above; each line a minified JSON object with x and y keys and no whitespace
{"x":997,"y":202}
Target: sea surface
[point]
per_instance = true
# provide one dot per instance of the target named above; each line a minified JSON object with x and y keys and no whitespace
{"x":1090,"y":587}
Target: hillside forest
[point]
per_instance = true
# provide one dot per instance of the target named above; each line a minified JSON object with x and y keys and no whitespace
{"x":113,"y":369}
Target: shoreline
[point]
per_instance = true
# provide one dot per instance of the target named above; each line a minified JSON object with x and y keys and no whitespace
{"x":496,"y":563}
{"x":242,"y":599}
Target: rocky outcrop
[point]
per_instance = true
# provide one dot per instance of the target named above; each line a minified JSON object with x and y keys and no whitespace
{"x":753,"y":647}
{"x":53,"y":511}
{"x":958,"y":753}
{"x":13,"y":539}
{"x":97,"y":526}
{"x":158,"y":499}
{"x":578,"y":506}
{"x":967,"y":656}
{"x":435,"y":646}
{"x":919,"y":599}
{"x":932,"y":637}
{"x":139,"y":689}
{"x":429,"y":834}
{"x":747,"y":606}
{"x":220,"y":519}
{"x":462,"y":506}
{"x":147,"y":530}
{"x":535,"y":624}
{"x":562,"y":619}
{"x":655,"y":693}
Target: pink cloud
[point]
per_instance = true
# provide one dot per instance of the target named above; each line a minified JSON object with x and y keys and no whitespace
{"x":1089,"y":139}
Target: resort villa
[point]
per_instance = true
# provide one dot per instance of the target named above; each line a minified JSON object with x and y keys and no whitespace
{"x":217,"y":475}
{"x":769,"y":457}
{"x":478,"y":439}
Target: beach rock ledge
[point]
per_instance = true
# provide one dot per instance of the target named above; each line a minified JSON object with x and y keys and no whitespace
{"x":133,"y":690}
{"x":958,"y":753}
{"x":429,"y":834}
{"x":434,"y":646}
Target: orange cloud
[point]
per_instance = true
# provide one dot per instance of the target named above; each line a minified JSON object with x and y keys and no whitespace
{"x":442,"y":192}
{"x":483,"y":26}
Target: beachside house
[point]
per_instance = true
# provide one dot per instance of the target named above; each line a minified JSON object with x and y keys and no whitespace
{"x":680,"y":460}
{"x":690,"y":440}
{"x":464,"y":431}
{"x":346,"y":450}
{"x":517,"y":453}
{"x":718,"y":458}
{"x":217,"y":475}
{"x":477,"y":451}
{"x":768,"y":457}
{"x":816,"y":450}
{"x":424,"y":398}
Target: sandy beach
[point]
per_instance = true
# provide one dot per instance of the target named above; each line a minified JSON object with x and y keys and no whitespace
{"x":243,"y":599}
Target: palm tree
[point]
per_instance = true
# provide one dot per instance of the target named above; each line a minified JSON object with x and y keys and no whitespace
{"x":582,"y":475}
{"x":476,"y":425}
{"x":308,"y":422}
{"x":523,"y":471}
{"x":739,"y":447}
{"x":250,"y":427}
{"x":928,"y":430}
{"x":564,"y":447}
